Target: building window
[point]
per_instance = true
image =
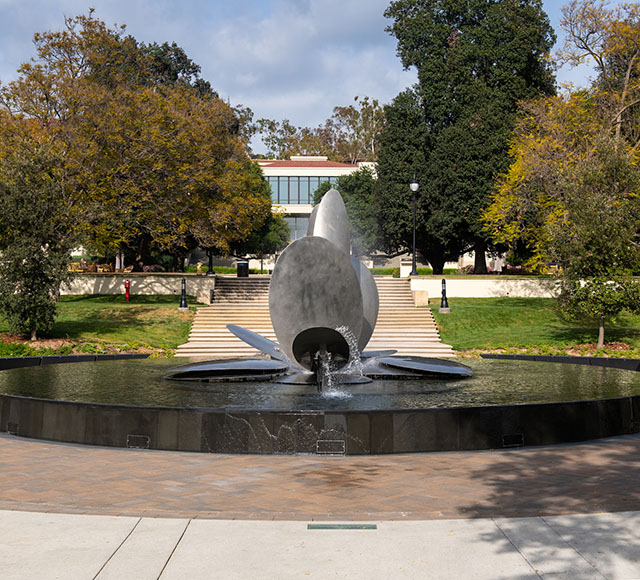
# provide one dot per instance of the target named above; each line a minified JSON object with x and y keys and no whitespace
{"x":304,"y":190}
{"x":283,"y":189}
{"x":273,"y":184}
{"x":297,"y":227}
{"x":296,"y":190}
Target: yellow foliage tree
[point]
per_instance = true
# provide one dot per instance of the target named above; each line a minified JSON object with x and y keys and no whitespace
{"x":145,"y":159}
{"x":572,"y":193}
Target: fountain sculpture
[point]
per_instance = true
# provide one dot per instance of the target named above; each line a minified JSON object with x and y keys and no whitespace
{"x":319,"y":391}
{"x":324,"y":306}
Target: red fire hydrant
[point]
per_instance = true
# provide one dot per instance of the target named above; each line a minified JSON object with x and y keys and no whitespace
{"x":127,"y":285}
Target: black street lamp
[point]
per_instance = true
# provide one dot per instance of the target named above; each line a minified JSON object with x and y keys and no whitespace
{"x":414,"y":188}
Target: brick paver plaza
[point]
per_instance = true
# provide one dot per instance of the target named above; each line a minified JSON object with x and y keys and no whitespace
{"x":580,"y":478}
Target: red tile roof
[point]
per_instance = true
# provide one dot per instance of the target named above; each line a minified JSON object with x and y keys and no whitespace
{"x":289,"y":163}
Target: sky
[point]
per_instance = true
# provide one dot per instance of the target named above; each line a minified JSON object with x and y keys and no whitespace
{"x":285,"y":59}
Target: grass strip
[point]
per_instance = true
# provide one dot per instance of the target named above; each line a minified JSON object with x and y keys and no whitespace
{"x":96,"y":324}
{"x":529,"y":325}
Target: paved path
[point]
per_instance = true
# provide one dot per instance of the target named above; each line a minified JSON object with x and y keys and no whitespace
{"x":520,"y":514}
{"x":600,"y":476}
{"x":39,"y":546}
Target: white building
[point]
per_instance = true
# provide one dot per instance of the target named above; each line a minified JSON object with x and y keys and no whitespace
{"x":293,"y":183}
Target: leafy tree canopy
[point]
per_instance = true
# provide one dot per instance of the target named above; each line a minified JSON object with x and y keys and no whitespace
{"x":151,"y":153}
{"x":270,"y":238}
{"x":403,"y":155}
{"x":348,"y":136}
{"x":571,"y":194}
{"x":475,"y":60}
{"x":36,"y":235}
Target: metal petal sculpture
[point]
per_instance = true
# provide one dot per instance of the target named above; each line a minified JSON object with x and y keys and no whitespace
{"x":323,"y":302}
{"x":324,"y":306}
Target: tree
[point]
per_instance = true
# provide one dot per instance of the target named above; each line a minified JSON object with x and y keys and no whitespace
{"x":358,"y":192}
{"x":571,"y":192}
{"x":169,"y":64}
{"x":571,"y":196}
{"x":268,"y":239}
{"x":356,"y":129}
{"x":349,"y":135}
{"x":36,"y":235}
{"x":149,"y":155}
{"x":279,"y":137}
{"x":610,"y":39}
{"x":402,"y":154}
{"x":599,"y":299}
{"x":475,"y":60}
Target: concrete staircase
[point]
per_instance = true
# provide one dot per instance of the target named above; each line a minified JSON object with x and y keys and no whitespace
{"x":240,"y":301}
{"x":402,"y":326}
{"x":245,"y":302}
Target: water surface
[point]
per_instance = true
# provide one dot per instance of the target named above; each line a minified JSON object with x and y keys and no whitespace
{"x":495,"y":382}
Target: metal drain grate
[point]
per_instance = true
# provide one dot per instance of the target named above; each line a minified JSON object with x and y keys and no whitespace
{"x":342,"y":526}
{"x":138,"y":441}
{"x":516,"y":440}
{"x":330,"y":447}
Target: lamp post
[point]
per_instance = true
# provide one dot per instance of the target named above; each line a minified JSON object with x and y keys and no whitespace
{"x":414,"y":188}
{"x":210,"y":271}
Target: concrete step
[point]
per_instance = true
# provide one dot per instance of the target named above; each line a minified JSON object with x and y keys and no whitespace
{"x":235,"y":314}
{"x":207,"y":354}
{"x":246,"y":306}
{"x":245,"y":302}
{"x":426,"y":335}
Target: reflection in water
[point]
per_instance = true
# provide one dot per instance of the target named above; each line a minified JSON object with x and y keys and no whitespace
{"x":495,"y":382}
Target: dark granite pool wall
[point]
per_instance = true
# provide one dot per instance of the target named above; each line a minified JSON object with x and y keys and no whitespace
{"x":16,"y":362}
{"x":311,"y":432}
{"x":630,"y":364}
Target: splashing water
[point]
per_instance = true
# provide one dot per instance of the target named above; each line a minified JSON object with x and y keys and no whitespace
{"x":328,"y":378}
{"x":354,"y":366}
{"x":331,"y":382}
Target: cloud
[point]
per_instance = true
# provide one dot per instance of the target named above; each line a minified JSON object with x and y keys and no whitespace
{"x":294,"y":59}
{"x":304,"y":58}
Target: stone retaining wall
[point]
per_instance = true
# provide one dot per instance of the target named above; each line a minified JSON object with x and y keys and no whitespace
{"x":486,"y":287}
{"x":203,"y":286}
{"x":199,"y":286}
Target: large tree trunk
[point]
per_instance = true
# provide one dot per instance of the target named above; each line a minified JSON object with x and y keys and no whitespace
{"x":34,"y":336}
{"x":177,"y":260}
{"x":436,"y":260}
{"x":480,"y":261}
{"x":141,"y":254}
{"x":601,"y":333}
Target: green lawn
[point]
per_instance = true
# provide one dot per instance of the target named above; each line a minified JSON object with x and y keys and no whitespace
{"x":95,"y":324}
{"x":526,"y":323}
{"x":106,"y":323}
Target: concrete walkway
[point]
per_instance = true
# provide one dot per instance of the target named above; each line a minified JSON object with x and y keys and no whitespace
{"x":73,"y":547}
{"x":74,"y":512}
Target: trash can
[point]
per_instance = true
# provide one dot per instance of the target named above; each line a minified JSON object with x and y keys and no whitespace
{"x":243,"y":269}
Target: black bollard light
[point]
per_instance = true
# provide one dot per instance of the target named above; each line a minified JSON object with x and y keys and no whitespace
{"x":210,"y":271}
{"x":183,"y":296}
{"x":444,"y":303}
